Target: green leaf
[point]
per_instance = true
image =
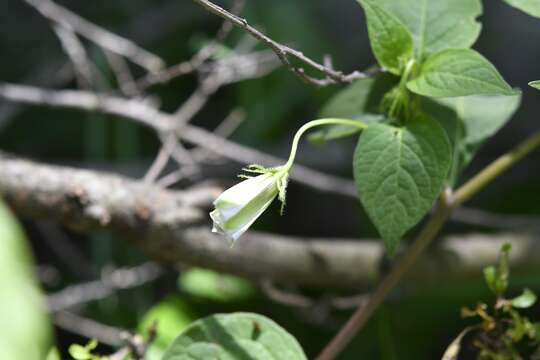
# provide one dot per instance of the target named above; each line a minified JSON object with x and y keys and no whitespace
{"x":497,"y":277}
{"x":390,"y":40}
{"x":360,"y":100}
{"x":483,"y":116}
{"x":535,"y":84}
{"x":233,"y":337}
{"x":26,"y":331}
{"x":470,"y":121}
{"x":490,"y":275}
{"x":437,"y":24}
{"x":525,"y":300}
{"x":213,"y":286}
{"x":399,"y":173}
{"x":531,"y":7}
{"x":79,"y":352}
{"x":171,"y":316}
{"x":458,"y":72}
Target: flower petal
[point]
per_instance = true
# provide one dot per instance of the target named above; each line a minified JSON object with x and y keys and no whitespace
{"x":237,"y":208}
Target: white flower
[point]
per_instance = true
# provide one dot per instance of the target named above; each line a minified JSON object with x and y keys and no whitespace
{"x":237,"y":208}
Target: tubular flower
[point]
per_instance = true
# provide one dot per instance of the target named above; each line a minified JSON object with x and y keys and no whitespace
{"x":237,"y":208}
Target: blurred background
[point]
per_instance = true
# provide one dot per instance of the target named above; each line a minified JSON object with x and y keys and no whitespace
{"x":417,"y":323}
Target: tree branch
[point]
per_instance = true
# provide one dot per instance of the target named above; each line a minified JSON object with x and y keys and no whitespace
{"x":171,"y":227}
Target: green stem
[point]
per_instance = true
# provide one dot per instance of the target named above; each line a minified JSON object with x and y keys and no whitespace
{"x":315,"y":123}
{"x":496,"y":168}
{"x":429,"y":232}
{"x":364,"y":313}
{"x":402,"y":92}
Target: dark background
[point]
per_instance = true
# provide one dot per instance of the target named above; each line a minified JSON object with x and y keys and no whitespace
{"x":415,"y":326}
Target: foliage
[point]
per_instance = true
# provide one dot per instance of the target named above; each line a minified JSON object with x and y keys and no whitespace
{"x":437,"y":25}
{"x":418,"y":123}
{"x":503,"y":333}
{"x":458,"y":72}
{"x":232,"y":337}
{"x":535,"y":84}
{"x":22,"y":309}
{"x":410,"y":162}
{"x":86,"y":352}
{"x":404,"y":157}
{"x":531,"y":7}
{"x":391,"y":42}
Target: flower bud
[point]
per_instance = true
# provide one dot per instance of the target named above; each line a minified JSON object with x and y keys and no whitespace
{"x":237,"y":208}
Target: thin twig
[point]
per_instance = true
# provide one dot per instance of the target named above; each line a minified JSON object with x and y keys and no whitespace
{"x":198,"y":99}
{"x":284,"y":52}
{"x":170,"y":148}
{"x":226,"y":71}
{"x":118,"y":279}
{"x":98,"y":35}
{"x":228,"y":126}
{"x":158,"y":165}
{"x":89,"y":328}
{"x":67,"y":252}
{"x":298,"y":300}
{"x":123,"y":75}
{"x":77,"y":54}
{"x":191,"y":65}
{"x":176,"y":176}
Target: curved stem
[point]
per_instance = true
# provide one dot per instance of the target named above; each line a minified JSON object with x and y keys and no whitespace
{"x":448,"y":203}
{"x":315,"y":123}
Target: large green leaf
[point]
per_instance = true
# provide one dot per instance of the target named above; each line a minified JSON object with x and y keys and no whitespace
{"x":483,"y":116}
{"x":399,"y":173}
{"x":535,"y":84}
{"x":531,"y":7}
{"x":390,"y":40}
{"x":458,"y":72}
{"x":237,"y":336}
{"x":437,"y":24}
{"x":25,"y":331}
{"x":359,"y":101}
